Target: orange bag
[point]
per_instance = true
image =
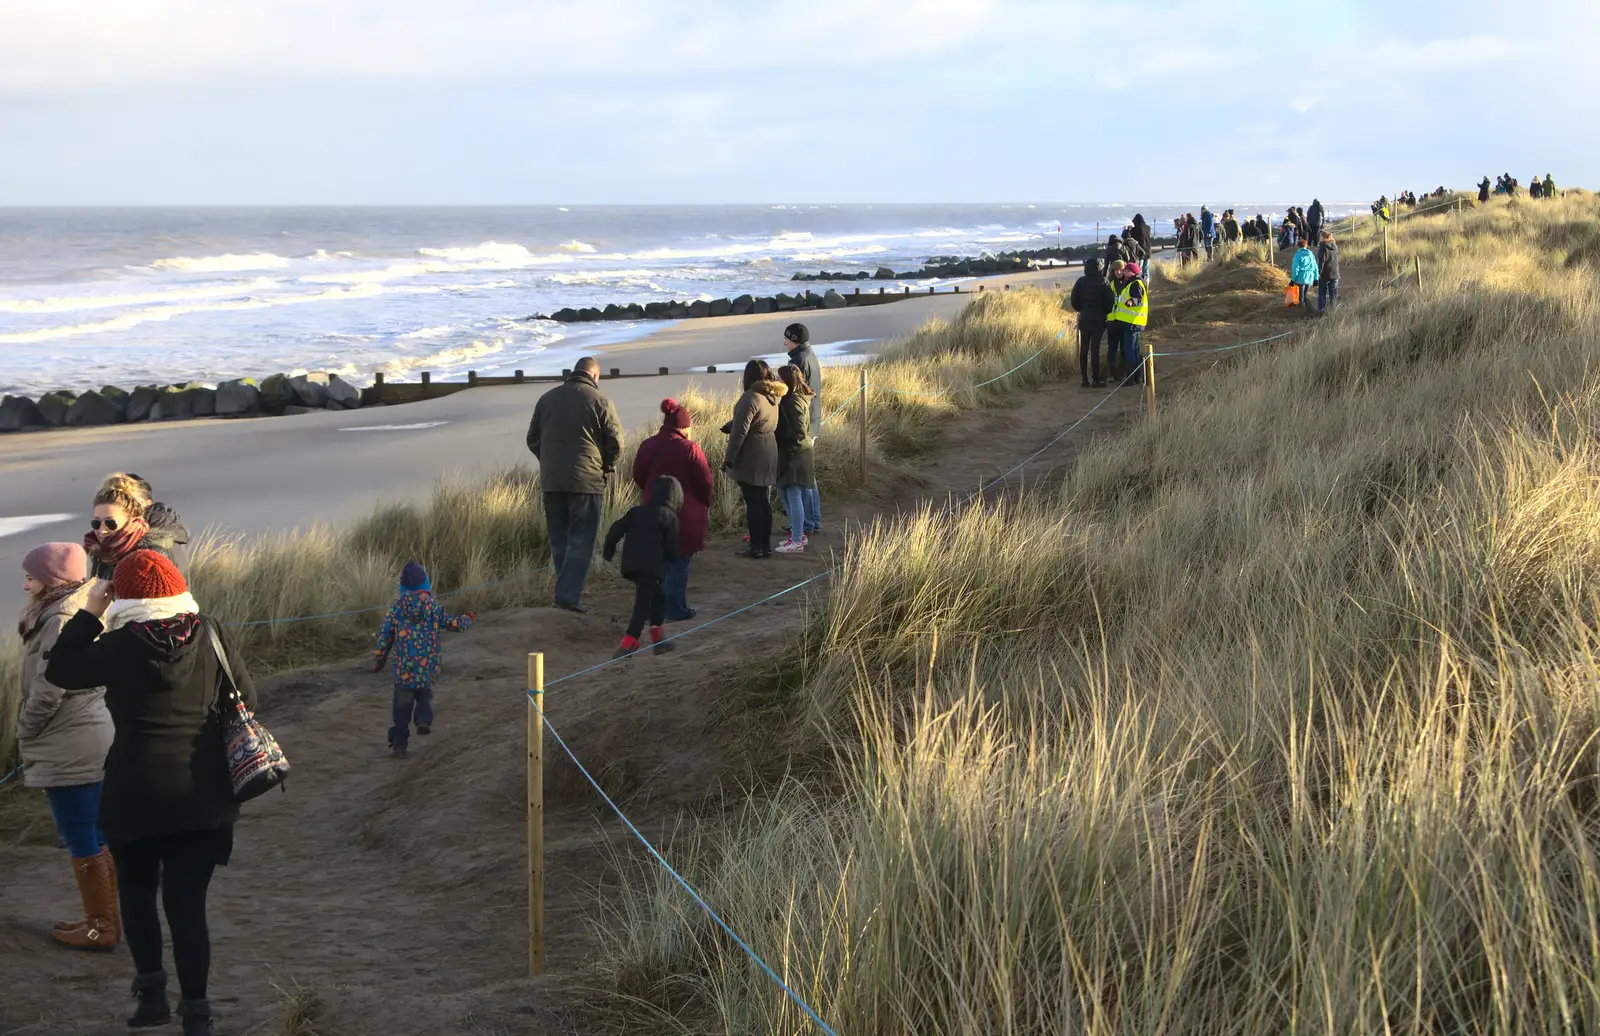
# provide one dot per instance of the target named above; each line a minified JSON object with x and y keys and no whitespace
{"x":1291,"y":296}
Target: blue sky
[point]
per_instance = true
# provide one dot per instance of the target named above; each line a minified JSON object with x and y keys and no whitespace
{"x":706,"y":101}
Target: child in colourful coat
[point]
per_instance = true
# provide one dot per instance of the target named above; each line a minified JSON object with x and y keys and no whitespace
{"x":411,"y":630}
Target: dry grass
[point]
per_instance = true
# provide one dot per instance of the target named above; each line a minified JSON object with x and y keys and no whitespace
{"x":1278,"y":715}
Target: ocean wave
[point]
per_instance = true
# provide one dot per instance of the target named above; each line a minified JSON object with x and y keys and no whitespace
{"x":228,"y":262}
{"x":134,"y":318}
{"x":429,"y":332}
{"x":75,"y":303}
{"x":488,"y":252}
{"x":578,"y":246}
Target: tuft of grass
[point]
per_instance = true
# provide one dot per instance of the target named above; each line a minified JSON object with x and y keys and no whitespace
{"x":1279,"y":713}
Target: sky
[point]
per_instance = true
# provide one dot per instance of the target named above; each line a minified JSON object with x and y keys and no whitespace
{"x":493,"y":102}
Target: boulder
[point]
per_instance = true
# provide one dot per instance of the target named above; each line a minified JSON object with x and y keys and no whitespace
{"x":588,"y":313}
{"x":633,"y":311}
{"x":883,"y":274}
{"x":117,"y":397}
{"x":205,"y":402}
{"x":677,"y":311}
{"x":765,"y":305}
{"x":657,"y":310}
{"x":566,"y":315}
{"x":699,"y":308}
{"x":743,"y":305}
{"x":342,"y":395}
{"x":611,"y":312}
{"x":18,"y":413}
{"x":786,"y":302}
{"x":175,"y":403}
{"x":91,"y":410}
{"x":834,"y":300}
{"x":238,"y":398}
{"x":140,"y":400}
{"x":54,"y":407}
{"x":310,"y":390}
{"x":276,"y":393}
{"x":721,"y":307}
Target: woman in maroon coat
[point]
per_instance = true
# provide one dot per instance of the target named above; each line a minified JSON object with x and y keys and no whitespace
{"x":671,"y":452}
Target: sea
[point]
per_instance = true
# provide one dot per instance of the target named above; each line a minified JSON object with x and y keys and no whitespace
{"x":132,"y":296}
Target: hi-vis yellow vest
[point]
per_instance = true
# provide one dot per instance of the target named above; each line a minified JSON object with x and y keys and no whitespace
{"x":1128,"y":311}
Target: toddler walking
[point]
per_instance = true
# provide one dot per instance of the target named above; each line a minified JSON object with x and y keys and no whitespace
{"x":651,"y":534}
{"x":411,"y":630}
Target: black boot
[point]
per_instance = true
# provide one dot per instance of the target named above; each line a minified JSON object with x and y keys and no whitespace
{"x":196,"y":1015}
{"x":151,"y":993}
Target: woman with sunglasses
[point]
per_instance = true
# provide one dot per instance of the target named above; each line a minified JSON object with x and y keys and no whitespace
{"x":126,"y":519}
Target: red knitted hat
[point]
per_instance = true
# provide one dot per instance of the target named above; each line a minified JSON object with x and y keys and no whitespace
{"x":146,"y":575}
{"x":677,"y":415}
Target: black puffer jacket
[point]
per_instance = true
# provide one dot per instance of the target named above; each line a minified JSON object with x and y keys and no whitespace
{"x":1092,"y":298}
{"x":1328,"y":263}
{"x":649,"y":532}
{"x":166,"y":772}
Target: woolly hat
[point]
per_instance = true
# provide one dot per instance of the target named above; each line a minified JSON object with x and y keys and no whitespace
{"x":677,"y":415}
{"x":1132,"y":270}
{"x":146,"y":575}
{"x":799,"y":334}
{"x":57,"y":564}
{"x":414,"y":577}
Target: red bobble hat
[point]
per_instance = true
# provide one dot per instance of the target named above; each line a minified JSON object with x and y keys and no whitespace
{"x":677,"y":415}
{"x":147,"y":575}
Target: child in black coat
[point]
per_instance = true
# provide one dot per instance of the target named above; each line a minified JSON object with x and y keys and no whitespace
{"x":650,"y":532}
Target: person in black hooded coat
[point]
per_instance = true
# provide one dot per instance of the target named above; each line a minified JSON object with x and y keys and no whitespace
{"x":649,"y":536}
{"x":1093,"y":300}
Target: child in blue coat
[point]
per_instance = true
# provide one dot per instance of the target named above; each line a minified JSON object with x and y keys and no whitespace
{"x":411,"y":630}
{"x":1303,"y":272}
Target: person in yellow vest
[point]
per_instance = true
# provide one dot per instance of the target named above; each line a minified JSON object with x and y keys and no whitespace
{"x":1128,"y":320}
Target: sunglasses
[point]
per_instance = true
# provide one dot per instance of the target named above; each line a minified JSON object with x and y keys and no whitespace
{"x":108,"y":524}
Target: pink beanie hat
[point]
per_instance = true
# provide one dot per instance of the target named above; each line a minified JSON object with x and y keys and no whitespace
{"x":57,"y":564}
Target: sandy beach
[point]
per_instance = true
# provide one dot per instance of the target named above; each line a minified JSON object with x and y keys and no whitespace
{"x":252,"y":477}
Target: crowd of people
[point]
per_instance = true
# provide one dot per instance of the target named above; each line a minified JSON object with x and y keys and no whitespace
{"x":577,"y":439}
{"x":120,"y":726}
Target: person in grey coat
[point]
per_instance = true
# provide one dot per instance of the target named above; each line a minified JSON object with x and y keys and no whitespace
{"x":752,"y":456}
{"x":577,"y":439}
{"x":798,"y":337}
{"x":64,"y":736}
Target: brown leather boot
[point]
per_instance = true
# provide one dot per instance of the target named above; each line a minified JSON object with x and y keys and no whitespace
{"x":97,"y":886}
{"x":103,"y":856}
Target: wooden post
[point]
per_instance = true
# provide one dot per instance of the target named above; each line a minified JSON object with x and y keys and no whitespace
{"x":519,"y":377}
{"x":1386,"y":245}
{"x":472,"y":377}
{"x":377,"y":379}
{"x":536,"y":814}
{"x":661,"y":370}
{"x":1417,"y":263}
{"x":863,"y":425}
{"x":616,"y":372}
{"x":427,"y":379}
{"x":1150,"y":377}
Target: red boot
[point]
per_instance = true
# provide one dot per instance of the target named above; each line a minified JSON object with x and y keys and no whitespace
{"x":630,"y":644}
{"x":661,"y":646}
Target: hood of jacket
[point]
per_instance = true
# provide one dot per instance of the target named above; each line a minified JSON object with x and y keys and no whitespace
{"x":583,"y":379}
{"x":414,"y":605}
{"x":773,"y":390}
{"x":666,"y":491}
{"x":166,"y":528}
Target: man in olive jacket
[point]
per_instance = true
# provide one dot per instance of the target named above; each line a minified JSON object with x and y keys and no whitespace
{"x":577,"y":439}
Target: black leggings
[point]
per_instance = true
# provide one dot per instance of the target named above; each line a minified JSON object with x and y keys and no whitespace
{"x":648,"y":602}
{"x":758,"y":515}
{"x":180,"y":867}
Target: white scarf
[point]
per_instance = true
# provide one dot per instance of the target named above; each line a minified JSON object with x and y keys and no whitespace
{"x":149,"y":610}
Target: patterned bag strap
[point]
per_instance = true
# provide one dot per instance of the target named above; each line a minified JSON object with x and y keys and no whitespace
{"x":222,"y":658}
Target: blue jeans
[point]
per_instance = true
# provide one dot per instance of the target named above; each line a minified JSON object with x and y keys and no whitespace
{"x":675,"y":584}
{"x":410,"y":703}
{"x":573,"y":520}
{"x":794,"y":502}
{"x":76,"y":811}
{"x":1327,"y":294}
{"x":1130,"y":352}
{"x":812,"y":500}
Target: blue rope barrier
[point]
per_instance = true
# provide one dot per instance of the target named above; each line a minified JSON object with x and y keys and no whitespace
{"x":1228,"y":348}
{"x":979,"y":385}
{"x":684,"y":884}
{"x":381,"y":607}
{"x":1063,"y":434}
{"x":10,"y":775}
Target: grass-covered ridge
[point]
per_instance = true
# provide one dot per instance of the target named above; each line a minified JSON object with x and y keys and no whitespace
{"x":1278,"y":715}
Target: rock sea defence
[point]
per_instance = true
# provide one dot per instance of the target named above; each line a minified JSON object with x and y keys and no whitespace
{"x":243,"y":397}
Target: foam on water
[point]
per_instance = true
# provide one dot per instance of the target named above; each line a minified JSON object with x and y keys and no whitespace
{"x":225,"y":263}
